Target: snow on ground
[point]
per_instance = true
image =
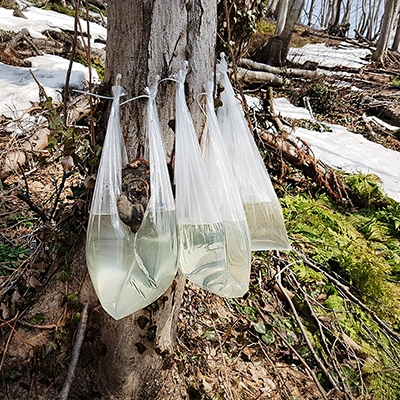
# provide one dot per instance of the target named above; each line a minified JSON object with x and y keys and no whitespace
{"x":19,"y":90}
{"x":344,"y":56}
{"x":39,"y":20}
{"x":284,"y":108}
{"x":348,"y":151}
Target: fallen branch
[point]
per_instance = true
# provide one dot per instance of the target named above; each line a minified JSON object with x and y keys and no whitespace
{"x":259,"y":77}
{"x":323,"y":175}
{"x":295,"y":72}
{"x":75,"y":353}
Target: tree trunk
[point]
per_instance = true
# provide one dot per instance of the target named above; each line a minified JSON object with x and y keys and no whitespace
{"x":145,"y":39}
{"x":396,"y":41}
{"x":333,"y":25}
{"x":278,"y":45}
{"x":281,"y":20}
{"x":346,"y":16}
{"x":272,"y":7}
{"x":311,"y":12}
{"x":388,"y":21}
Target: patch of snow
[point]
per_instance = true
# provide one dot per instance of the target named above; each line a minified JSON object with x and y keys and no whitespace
{"x":283,"y":107}
{"x":19,"y":90}
{"x":330,"y":57}
{"x":378,"y":121}
{"x":254,"y":103}
{"x":39,"y":20}
{"x":351,"y":152}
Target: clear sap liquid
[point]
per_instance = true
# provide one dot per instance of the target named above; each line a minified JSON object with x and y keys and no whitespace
{"x":216,"y":261}
{"x":155,"y":263}
{"x":130,"y":272}
{"x":238,"y":259}
{"x":202,"y":255}
{"x":266,"y":225}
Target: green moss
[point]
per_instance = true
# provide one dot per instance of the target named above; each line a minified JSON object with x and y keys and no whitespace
{"x":265,"y":28}
{"x":57,"y":7}
{"x":361,"y":247}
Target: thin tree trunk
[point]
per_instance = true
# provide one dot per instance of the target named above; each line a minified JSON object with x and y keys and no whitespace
{"x":311,"y":12}
{"x":278,"y":45}
{"x":396,"y":41}
{"x":391,"y":12}
{"x":273,"y":7}
{"x":346,"y":15}
{"x":282,"y":15}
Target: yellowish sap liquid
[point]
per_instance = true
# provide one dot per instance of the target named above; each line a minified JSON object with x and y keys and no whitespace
{"x":266,"y":225}
{"x":130,"y":271}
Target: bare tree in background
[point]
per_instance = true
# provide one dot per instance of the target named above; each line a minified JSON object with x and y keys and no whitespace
{"x":278,"y":45}
{"x":392,"y":8}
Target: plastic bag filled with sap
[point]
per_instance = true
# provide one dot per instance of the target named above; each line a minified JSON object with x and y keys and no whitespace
{"x":227,"y":197}
{"x":131,"y":245}
{"x":202,"y":251}
{"x":261,"y":205}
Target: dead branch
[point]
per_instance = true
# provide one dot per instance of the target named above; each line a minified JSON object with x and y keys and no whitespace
{"x":259,"y":77}
{"x":295,"y":352}
{"x":35,"y":326}
{"x":383,"y":325}
{"x":75,"y":353}
{"x":323,"y":175}
{"x":301,"y":73}
{"x":319,"y":362}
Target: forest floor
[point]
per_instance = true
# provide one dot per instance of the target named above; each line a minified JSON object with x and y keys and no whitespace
{"x":248,"y":348}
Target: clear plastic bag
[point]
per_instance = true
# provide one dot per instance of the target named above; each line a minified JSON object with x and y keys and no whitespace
{"x":202,"y":256}
{"x":227,"y":197}
{"x":261,"y":205}
{"x":130,"y":271}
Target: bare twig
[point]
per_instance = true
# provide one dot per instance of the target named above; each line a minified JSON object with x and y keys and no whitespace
{"x":60,"y":189}
{"x":89,"y":61}
{"x":7,"y":344}
{"x":307,"y":340}
{"x":73,"y":50}
{"x":75,"y":353}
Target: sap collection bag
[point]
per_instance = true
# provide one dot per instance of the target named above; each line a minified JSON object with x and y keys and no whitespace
{"x":261,"y":205}
{"x":202,"y":254}
{"x":227,"y":197}
{"x":131,"y":264}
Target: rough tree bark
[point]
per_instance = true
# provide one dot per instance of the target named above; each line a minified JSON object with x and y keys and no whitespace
{"x":148,"y":38}
{"x":276,"y":50}
{"x":389,"y":18}
{"x":396,"y":40}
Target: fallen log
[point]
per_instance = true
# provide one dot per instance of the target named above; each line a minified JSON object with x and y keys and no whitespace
{"x":302,"y":73}
{"x":259,"y":77}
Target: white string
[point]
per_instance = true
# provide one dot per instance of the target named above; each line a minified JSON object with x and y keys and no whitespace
{"x":94,"y":95}
{"x":134,"y":98}
{"x":198,"y":103}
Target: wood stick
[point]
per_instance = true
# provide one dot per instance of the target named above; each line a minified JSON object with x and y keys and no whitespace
{"x":259,"y":77}
{"x":303,"y":73}
{"x":75,"y":353}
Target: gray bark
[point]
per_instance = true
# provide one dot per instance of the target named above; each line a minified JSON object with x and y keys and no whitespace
{"x":148,"y":38}
{"x":273,"y":6}
{"x":249,"y":76}
{"x":311,"y":12}
{"x":388,"y":21}
{"x":282,"y":15}
{"x":396,"y":40}
{"x":346,"y":15}
{"x":250,"y":64}
{"x":278,"y":45}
